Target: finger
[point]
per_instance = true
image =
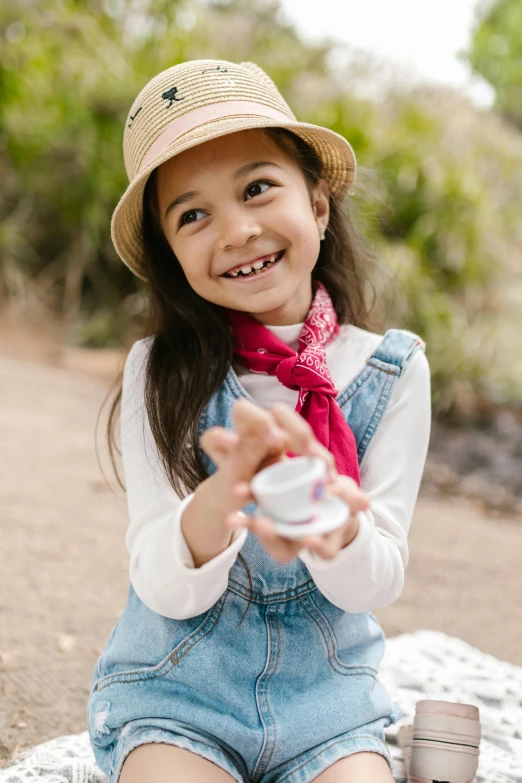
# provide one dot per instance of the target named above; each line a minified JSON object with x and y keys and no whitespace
{"x":243,"y":493}
{"x":258,"y":525}
{"x":299,"y":432}
{"x":237,"y":519}
{"x":326,"y":546}
{"x":261,"y":442}
{"x":251,"y":420}
{"x":301,"y":438}
{"x":261,"y":526}
{"x":282,"y":549}
{"x":345,"y":488}
{"x":218,"y":442}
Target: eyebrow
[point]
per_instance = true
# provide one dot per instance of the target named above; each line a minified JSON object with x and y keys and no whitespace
{"x":248,"y":169}
{"x":181,"y":200}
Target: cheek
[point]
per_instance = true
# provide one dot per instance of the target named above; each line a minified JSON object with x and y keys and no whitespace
{"x":195,"y":272}
{"x":196,"y":266}
{"x":192,"y":257}
{"x":297,"y":223}
{"x":305,"y":236}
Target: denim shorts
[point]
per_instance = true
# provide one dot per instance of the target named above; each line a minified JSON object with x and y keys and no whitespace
{"x":278,"y":694}
{"x":300,"y":769}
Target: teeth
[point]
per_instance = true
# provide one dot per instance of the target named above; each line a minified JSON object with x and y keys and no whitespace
{"x":256,"y":268}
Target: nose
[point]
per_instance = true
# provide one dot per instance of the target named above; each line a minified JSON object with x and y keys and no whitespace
{"x":237,"y":227}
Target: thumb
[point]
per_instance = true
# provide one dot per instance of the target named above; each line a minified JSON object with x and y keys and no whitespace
{"x":218,"y":443}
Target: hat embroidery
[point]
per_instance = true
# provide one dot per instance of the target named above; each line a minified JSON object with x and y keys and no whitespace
{"x":170,"y":95}
{"x":133,"y":118}
{"x":225,"y":82}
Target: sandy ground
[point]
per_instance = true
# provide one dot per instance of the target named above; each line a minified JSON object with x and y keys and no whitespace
{"x":63,"y":562}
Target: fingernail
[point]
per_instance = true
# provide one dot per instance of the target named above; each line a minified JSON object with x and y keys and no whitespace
{"x":275,"y":434}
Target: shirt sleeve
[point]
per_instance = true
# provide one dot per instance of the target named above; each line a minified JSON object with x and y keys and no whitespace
{"x":162,"y":570}
{"x":368,"y":574}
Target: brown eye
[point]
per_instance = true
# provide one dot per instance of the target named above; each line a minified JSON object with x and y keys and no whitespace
{"x":189,"y":217}
{"x":256,"y":188}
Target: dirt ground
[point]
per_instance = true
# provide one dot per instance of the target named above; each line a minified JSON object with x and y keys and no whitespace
{"x":63,"y":562}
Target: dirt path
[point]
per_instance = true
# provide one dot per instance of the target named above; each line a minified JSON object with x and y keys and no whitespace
{"x":63,"y":569}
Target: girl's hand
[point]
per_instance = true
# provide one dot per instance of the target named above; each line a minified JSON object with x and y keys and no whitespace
{"x":298,"y":437}
{"x":326,"y":545}
{"x":256,"y":442}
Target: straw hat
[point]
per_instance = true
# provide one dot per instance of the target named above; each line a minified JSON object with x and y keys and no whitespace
{"x":194,"y":102}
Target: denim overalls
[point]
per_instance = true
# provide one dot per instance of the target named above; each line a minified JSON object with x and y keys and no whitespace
{"x":278,"y":693}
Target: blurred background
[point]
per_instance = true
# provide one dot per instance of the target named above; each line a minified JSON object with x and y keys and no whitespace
{"x":430,"y":97}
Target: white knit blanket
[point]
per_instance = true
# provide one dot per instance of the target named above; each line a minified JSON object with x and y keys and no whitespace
{"x":424,"y":664}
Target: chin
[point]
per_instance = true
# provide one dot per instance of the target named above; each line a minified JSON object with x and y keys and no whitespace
{"x":264,"y":303}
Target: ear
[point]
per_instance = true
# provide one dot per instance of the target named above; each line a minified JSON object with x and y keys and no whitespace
{"x":321,"y":204}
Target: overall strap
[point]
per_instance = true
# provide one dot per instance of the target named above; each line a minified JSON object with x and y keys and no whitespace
{"x":395,"y":351}
{"x":365,"y":400}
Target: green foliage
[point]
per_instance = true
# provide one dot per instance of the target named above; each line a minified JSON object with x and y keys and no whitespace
{"x":437,"y":193}
{"x":445,"y":234}
{"x":444,"y":214}
{"x":69,"y":72}
{"x":496,"y":54}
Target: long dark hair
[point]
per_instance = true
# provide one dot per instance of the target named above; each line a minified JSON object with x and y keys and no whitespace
{"x":190,"y":332}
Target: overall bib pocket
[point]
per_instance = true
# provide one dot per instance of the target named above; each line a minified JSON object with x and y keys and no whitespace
{"x":172,"y":659}
{"x":339,"y":632}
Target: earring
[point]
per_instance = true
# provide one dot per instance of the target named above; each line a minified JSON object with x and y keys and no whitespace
{"x":323,"y":235}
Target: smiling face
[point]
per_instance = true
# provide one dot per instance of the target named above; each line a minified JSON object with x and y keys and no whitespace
{"x":244,"y":224}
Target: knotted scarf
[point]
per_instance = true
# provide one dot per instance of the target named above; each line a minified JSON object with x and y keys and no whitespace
{"x":306,"y":371}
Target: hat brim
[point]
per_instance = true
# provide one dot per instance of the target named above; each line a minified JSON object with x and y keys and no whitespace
{"x":335,"y":152}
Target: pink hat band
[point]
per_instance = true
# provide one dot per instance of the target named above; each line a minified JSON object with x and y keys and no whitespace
{"x":205,"y":114}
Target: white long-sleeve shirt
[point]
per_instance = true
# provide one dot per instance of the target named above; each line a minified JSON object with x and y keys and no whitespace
{"x":367,"y":574}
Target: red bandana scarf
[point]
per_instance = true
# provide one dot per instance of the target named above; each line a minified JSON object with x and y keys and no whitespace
{"x":262,"y":352}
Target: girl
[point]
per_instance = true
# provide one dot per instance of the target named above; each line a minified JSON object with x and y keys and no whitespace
{"x":242,"y":655}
